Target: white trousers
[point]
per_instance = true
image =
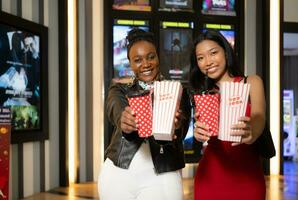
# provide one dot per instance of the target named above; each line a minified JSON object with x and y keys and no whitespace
{"x":139,"y":181}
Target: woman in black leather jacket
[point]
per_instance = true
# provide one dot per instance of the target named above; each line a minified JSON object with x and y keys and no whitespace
{"x":138,"y":168}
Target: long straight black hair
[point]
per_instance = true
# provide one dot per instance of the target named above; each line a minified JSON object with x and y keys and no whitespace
{"x":196,"y":76}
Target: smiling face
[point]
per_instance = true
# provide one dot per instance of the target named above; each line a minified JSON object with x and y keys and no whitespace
{"x":144,"y":61}
{"x":211,"y":57}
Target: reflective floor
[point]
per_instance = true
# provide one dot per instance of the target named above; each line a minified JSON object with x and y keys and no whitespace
{"x":278,"y":188}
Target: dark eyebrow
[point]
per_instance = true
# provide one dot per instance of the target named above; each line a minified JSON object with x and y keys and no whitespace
{"x":214,"y":48}
{"x":136,"y":57}
{"x":149,"y":53}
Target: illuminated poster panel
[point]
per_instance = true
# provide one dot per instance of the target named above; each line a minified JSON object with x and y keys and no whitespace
{"x":135,"y":5}
{"x":219,"y":7}
{"x":289,"y":124}
{"x":176,"y":5}
{"x":121,"y":28}
{"x":226,"y":30}
{"x":175,"y":49}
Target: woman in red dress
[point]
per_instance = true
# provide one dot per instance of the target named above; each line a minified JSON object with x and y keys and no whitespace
{"x":228,"y":170}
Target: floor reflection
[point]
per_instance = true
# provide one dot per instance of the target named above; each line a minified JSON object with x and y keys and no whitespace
{"x":278,"y":188}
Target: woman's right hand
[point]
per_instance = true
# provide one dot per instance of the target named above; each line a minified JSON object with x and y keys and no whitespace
{"x":128,"y":122}
{"x":201,"y":131}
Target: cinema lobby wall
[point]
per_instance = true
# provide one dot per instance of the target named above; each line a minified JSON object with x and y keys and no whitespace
{"x":36,"y":166}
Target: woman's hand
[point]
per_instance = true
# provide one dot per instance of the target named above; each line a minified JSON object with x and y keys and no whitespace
{"x":128,"y":122}
{"x":243,"y":129}
{"x":201,"y":131}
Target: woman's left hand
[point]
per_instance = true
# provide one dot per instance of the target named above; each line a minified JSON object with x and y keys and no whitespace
{"x":243,"y":129}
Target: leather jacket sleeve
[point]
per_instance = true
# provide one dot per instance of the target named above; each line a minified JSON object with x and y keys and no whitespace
{"x":185,"y":107}
{"x":122,"y":147}
{"x":116,"y":103}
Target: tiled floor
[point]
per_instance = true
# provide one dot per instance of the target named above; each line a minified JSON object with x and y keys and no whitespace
{"x":278,"y":188}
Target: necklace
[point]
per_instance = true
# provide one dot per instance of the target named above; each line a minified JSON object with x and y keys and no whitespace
{"x":145,"y":86}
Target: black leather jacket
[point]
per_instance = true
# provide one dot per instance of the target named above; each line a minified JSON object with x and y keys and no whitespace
{"x":166,"y":155}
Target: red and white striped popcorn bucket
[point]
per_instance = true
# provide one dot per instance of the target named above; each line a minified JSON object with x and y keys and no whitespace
{"x":207,"y":105}
{"x":167,"y":97}
{"x":233,"y":102}
{"x":141,"y":104}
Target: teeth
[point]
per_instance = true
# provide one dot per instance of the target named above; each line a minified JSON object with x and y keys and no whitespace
{"x":147,"y":72}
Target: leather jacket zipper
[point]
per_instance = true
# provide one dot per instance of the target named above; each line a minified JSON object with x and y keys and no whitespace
{"x":161,"y":149}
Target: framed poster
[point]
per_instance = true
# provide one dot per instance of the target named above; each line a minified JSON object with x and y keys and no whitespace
{"x":23,"y":76}
{"x":175,"y":45}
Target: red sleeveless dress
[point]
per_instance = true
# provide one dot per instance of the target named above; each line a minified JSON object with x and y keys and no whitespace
{"x":228,"y":172}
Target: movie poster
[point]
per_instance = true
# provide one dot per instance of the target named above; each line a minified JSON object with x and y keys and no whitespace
{"x":219,"y":7}
{"x":230,"y":36}
{"x":175,"y":50}
{"x":120,"y":60}
{"x":185,"y":5}
{"x":5,"y":130}
{"x":20,"y":76}
{"x":226,"y":30}
{"x":137,"y":5}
